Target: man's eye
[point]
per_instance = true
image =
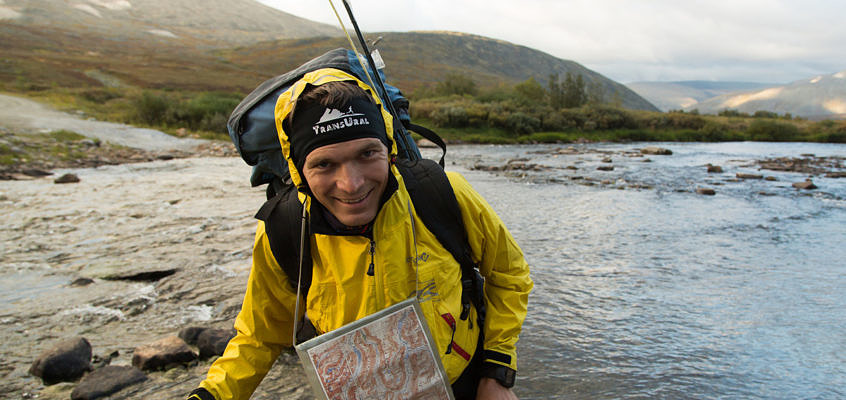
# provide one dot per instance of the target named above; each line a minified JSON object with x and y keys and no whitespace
{"x":320,"y":165}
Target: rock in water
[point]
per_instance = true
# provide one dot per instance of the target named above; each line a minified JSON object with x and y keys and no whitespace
{"x":807,"y":185}
{"x":658,"y":151}
{"x":715,"y":169}
{"x":162,"y":354}
{"x":706,"y":191}
{"x":212,"y":342}
{"x":65,"y":362}
{"x":106,"y":381}
{"x":191,"y":333}
{"x":741,"y":175}
{"x":67,"y":178}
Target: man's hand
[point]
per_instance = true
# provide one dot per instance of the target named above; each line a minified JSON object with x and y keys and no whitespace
{"x":490,"y":389}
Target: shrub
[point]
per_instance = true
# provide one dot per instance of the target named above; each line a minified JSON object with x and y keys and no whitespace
{"x":604,"y":118}
{"x":151,"y":108}
{"x":101,"y":96}
{"x":456,"y":83}
{"x":714,"y":132}
{"x":731,"y":113}
{"x":522,"y":123}
{"x":530,"y":92}
{"x":772,"y":131}
{"x":765,"y":114}
{"x":453,"y":116}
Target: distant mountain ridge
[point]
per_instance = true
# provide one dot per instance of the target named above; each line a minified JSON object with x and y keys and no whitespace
{"x":683,"y":94}
{"x":818,"y":97}
{"x":235,"y":44}
{"x":210,"y":22}
{"x":822,"y":96}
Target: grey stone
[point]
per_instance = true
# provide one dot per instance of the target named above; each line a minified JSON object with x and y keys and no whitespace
{"x":212,"y":342}
{"x":191,"y":333}
{"x":67,"y":178}
{"x":163,"y":354}
{"x":106,"y":381}
{"x":67,"y":361}
{"x":658,"y":151}
{"x":716,"y":169}
{"x":807,"y":185}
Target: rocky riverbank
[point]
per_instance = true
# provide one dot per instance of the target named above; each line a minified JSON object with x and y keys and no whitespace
{"x":129,"y":255}
{"x":590,"y":166}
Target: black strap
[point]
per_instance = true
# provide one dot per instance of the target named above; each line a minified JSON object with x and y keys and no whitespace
{"x":431,"y":136}
{"x":282,"y":216}
{"x":436,"y":204}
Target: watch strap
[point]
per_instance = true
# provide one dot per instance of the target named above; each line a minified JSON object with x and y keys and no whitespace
{"x":502,"y":374}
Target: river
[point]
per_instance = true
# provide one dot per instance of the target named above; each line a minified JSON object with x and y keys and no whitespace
{"x":643,"y":288}
{"x":665,"y":293}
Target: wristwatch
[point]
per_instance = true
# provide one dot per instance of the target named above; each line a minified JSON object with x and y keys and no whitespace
{"x":502,"y":374}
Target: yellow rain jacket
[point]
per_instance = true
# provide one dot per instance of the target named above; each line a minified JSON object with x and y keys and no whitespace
{"x":341,"y":290}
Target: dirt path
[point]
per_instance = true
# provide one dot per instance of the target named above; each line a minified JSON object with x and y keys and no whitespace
{"x":23,"y":115}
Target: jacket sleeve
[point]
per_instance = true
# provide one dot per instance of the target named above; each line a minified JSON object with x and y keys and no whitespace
{"x":264,"y":327}
{"x":506,"y":273}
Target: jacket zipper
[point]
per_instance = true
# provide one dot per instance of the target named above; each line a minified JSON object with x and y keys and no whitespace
{"x":371,"y":270}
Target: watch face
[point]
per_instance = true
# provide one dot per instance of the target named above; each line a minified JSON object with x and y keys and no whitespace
{"x":508,"y":376}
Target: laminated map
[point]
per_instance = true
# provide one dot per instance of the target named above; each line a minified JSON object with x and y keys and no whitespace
{"x":387,"y":355}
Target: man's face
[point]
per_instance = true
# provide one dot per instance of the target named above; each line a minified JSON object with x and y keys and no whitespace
{"x":348,"y":178}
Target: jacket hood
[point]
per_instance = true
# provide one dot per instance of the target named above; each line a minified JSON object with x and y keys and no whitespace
{"x":285,"y":104}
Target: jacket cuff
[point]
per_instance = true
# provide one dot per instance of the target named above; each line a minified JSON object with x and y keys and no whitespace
{"x":495,"y":357}
{"x":200,"y":394}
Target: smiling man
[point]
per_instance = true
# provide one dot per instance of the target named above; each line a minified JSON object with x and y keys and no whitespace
{"x":335,"y":137}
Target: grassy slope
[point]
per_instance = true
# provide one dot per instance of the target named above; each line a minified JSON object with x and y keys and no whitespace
{"x":102,"y":76}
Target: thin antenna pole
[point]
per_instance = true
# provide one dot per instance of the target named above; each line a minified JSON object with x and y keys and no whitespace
{"x":399,"y":129}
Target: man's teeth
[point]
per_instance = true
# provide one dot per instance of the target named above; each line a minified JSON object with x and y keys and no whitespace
{"x":353,"y":200}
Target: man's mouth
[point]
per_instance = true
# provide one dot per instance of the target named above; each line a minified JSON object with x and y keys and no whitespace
{"x":356,"y":200}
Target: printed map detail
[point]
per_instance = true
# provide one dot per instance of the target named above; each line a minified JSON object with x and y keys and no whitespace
{"x":389,"y":358}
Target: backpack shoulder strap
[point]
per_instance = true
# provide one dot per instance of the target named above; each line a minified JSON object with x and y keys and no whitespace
{"x":436,"y":204}
{"x":282,"y":216}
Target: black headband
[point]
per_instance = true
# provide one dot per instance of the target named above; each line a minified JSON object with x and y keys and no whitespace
{"x":316,"y":125}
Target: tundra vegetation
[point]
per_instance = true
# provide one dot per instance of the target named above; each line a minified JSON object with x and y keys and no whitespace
{"x":565,"y":109}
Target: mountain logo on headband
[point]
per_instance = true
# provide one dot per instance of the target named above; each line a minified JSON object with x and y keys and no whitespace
{"x":333,"y":120}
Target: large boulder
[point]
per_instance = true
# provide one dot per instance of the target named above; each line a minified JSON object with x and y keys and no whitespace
{"x":212,"y":342}
{"x":67,"y":361}
{"x":163,"y":354}
{"x":106,"y":381}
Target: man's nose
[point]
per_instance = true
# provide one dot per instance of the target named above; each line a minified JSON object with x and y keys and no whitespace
{"x":350,"y":178}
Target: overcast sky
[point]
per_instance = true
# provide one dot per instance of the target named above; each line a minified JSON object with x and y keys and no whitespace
{"x":773,"y":41}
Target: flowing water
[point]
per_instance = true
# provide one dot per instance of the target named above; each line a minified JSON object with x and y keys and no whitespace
{"x":643,"y":288}
{"x":655,"y":291}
